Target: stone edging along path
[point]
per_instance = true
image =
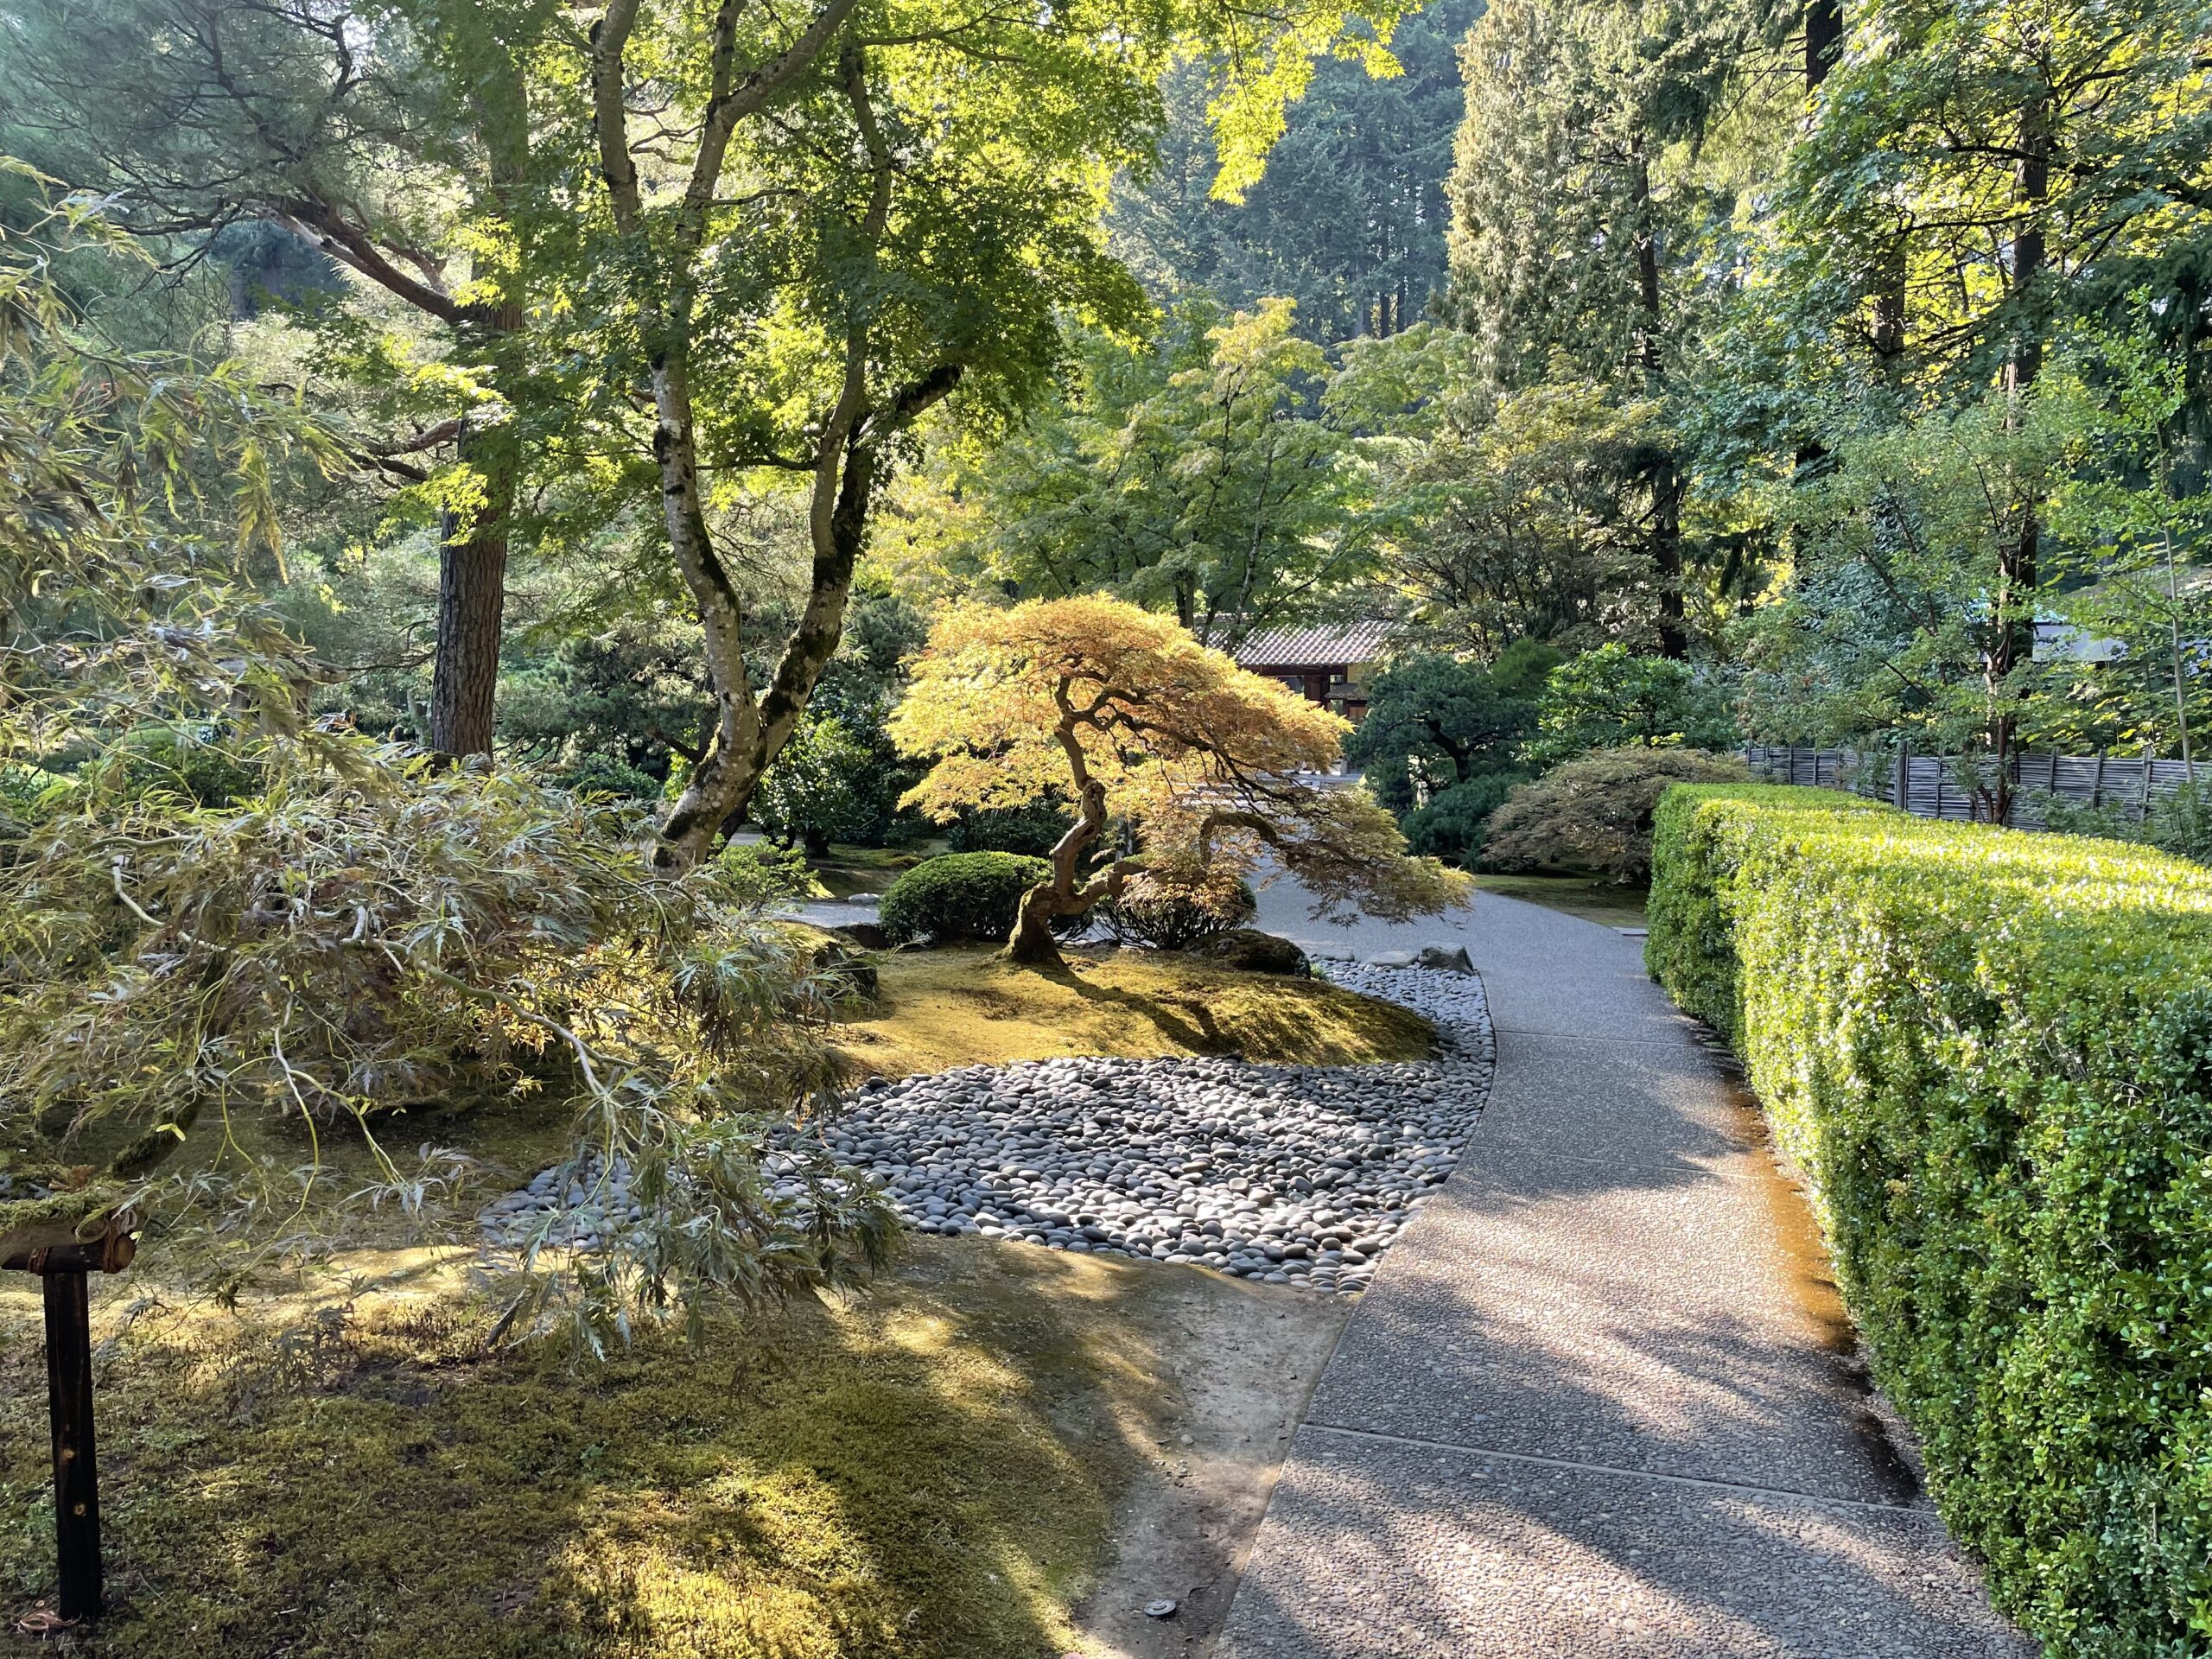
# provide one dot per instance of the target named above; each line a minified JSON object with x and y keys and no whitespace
{"x":1298,"y":1175}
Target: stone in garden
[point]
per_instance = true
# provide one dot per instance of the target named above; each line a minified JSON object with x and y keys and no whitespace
{"x":1253,"y":951}
{"x":1445,"y":958}
{"x":1292,"y":1175}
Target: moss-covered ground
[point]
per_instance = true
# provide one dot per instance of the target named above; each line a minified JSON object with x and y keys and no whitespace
{"x":960,"y":1005}
{"x":927,"y":1469}
{"x":1606,"y":903}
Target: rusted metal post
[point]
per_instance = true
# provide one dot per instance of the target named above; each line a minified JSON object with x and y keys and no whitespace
{"x":76,"y":1469}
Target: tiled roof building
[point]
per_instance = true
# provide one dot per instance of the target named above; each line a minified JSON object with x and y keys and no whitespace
{"x":1330,"y":662}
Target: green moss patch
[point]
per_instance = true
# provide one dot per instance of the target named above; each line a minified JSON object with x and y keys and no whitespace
{"x":964,"y":1007}
{"x":1605,"y":903}
{"x":928,"y":1470}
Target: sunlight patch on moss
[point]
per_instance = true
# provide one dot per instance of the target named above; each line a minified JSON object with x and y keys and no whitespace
{"x":962,"y":1007}
{"x":925,"y":1470}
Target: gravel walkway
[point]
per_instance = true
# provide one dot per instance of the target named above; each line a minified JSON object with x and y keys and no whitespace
{"x":1299,"y":1175}
{"x":1600,"y":1401}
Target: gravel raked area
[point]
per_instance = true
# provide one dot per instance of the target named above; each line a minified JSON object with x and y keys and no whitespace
{"x":1288,"y":1174}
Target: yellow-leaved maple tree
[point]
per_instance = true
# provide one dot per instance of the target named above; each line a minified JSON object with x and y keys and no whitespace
{"x":1204,"y":768}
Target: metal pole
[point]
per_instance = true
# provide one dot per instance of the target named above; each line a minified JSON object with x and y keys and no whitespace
{"x":76,"y":1473}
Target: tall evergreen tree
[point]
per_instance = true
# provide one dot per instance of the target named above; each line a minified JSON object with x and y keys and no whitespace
{"x":395,"y":138}
{"x":1582,"y":216}
{"x":1349,"y":220}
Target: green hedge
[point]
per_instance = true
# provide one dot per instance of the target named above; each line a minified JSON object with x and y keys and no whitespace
{"x":960,"y":896}
{"x":1990,"y":1052}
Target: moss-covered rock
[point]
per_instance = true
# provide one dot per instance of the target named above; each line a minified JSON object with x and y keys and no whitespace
{"x":1252,"y":951}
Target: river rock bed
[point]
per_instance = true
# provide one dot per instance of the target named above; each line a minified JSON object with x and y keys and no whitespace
{"x":1287,"y":1174}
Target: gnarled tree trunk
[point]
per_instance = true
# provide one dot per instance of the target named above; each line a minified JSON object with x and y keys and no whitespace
{"x":1064,"y":893}
{"x":748,"y":733}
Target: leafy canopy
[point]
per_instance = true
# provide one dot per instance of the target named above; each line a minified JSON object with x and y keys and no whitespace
{"x":242,"y":947}
{"x":1187,"y":475}
{"x":1609,"y":698}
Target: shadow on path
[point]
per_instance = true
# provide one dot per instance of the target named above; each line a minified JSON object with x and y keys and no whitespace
{"x":1602,"y":1399}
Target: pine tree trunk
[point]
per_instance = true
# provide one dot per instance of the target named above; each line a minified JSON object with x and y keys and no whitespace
{"x":1667,"y":556}
{"x":1823,"y":41}
{"x":1665,"y":537}
{"x":472,"y":600}
{"x":1890,"y":310}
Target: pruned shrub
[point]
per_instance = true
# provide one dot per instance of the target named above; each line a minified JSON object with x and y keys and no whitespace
{"x":1990,"y":1052}
{"x":1594,"y":814}
{"x":1455,"y":822}
{"x":960,"y":896}
{"x":1173,"y":918}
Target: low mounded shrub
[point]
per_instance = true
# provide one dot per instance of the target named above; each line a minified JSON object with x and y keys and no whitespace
{"x":960,"y":896}
{"x":1255,"y":952}
{"x":1171,"y":920}
{"x":1990,"y":1053}
{"x":1594,"y":813}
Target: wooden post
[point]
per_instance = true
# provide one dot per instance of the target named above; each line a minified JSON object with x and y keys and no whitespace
{"x":1905,"y":775}
{"x":76,"y":1471}
{"x":61,"y":1260}
{"x":2143,"y":796}
{"x":2097,"y":783}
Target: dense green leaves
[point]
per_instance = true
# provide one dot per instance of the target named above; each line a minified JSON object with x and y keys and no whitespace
{"x":1443,"y":721}
{"x":960,"y":896}
{"x":243,"y":947}
{"x":1186,"y":476}
{"x":1608,"y":698}
{"x":1991,"y":1053}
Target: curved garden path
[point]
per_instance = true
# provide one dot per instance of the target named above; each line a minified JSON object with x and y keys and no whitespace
{"x":1599,"y":1400}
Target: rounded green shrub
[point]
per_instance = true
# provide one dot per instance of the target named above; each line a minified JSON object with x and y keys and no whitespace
{"x":960,"y":896}
{"x":1031,"y":830}
{"x":1453,"y":823}
{"x":1171,"y":920}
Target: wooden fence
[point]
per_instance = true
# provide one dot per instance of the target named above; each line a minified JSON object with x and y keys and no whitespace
{"x":1937,"y":786}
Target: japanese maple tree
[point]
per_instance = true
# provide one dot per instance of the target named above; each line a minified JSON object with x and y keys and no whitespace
{"x":1188,"y":772}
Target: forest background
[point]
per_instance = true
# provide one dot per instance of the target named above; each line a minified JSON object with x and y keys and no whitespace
{"x":1839,"y":354}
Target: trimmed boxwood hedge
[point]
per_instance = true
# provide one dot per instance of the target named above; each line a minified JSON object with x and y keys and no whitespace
{"x":960,"y":896}
{"x":1990,"y":1053}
